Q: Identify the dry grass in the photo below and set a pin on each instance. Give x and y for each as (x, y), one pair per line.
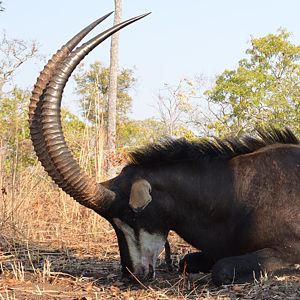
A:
(73, 271)
(52, 248)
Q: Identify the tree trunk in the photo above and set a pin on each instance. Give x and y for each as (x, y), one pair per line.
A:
(112, 93)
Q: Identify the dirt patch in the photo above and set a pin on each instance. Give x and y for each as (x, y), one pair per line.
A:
(38, 271)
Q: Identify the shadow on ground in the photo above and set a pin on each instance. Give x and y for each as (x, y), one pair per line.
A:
(35, 271)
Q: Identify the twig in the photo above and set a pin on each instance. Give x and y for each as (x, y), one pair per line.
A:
(144, 286)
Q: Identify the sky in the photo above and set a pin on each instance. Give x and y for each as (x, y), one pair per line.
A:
(180, 39)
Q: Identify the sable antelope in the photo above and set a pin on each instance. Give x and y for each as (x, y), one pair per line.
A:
(236, 200)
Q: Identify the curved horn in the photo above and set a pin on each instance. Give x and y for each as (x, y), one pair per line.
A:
(41, 83)
(76, 183)
(58, 57)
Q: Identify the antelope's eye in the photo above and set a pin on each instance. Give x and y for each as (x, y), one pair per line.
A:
(129, 217)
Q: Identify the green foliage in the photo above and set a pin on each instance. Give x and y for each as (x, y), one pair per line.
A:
(264, 89)
(92, 86)
(74, 130)
(14, 132)
(15, 144)
(133, 133)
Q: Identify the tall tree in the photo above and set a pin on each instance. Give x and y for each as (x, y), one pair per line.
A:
(92, 87)
(112, 89)
(264, 89)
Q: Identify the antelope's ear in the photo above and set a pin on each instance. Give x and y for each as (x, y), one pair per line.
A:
(140, 195)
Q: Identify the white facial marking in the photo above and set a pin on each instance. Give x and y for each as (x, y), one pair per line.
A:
(151, 245)
(131, 240)
(143, 249)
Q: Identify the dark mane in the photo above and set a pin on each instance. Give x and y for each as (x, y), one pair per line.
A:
(182, 149)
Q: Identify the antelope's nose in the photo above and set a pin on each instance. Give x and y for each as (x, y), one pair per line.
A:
(145, 273)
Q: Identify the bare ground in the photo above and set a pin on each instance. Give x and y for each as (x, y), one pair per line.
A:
(71, 268)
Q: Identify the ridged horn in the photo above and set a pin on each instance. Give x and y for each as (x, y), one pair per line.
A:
(76, 183)
(40, 86)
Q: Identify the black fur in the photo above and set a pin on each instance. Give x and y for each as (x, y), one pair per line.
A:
(171, 150)
(236, 200)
